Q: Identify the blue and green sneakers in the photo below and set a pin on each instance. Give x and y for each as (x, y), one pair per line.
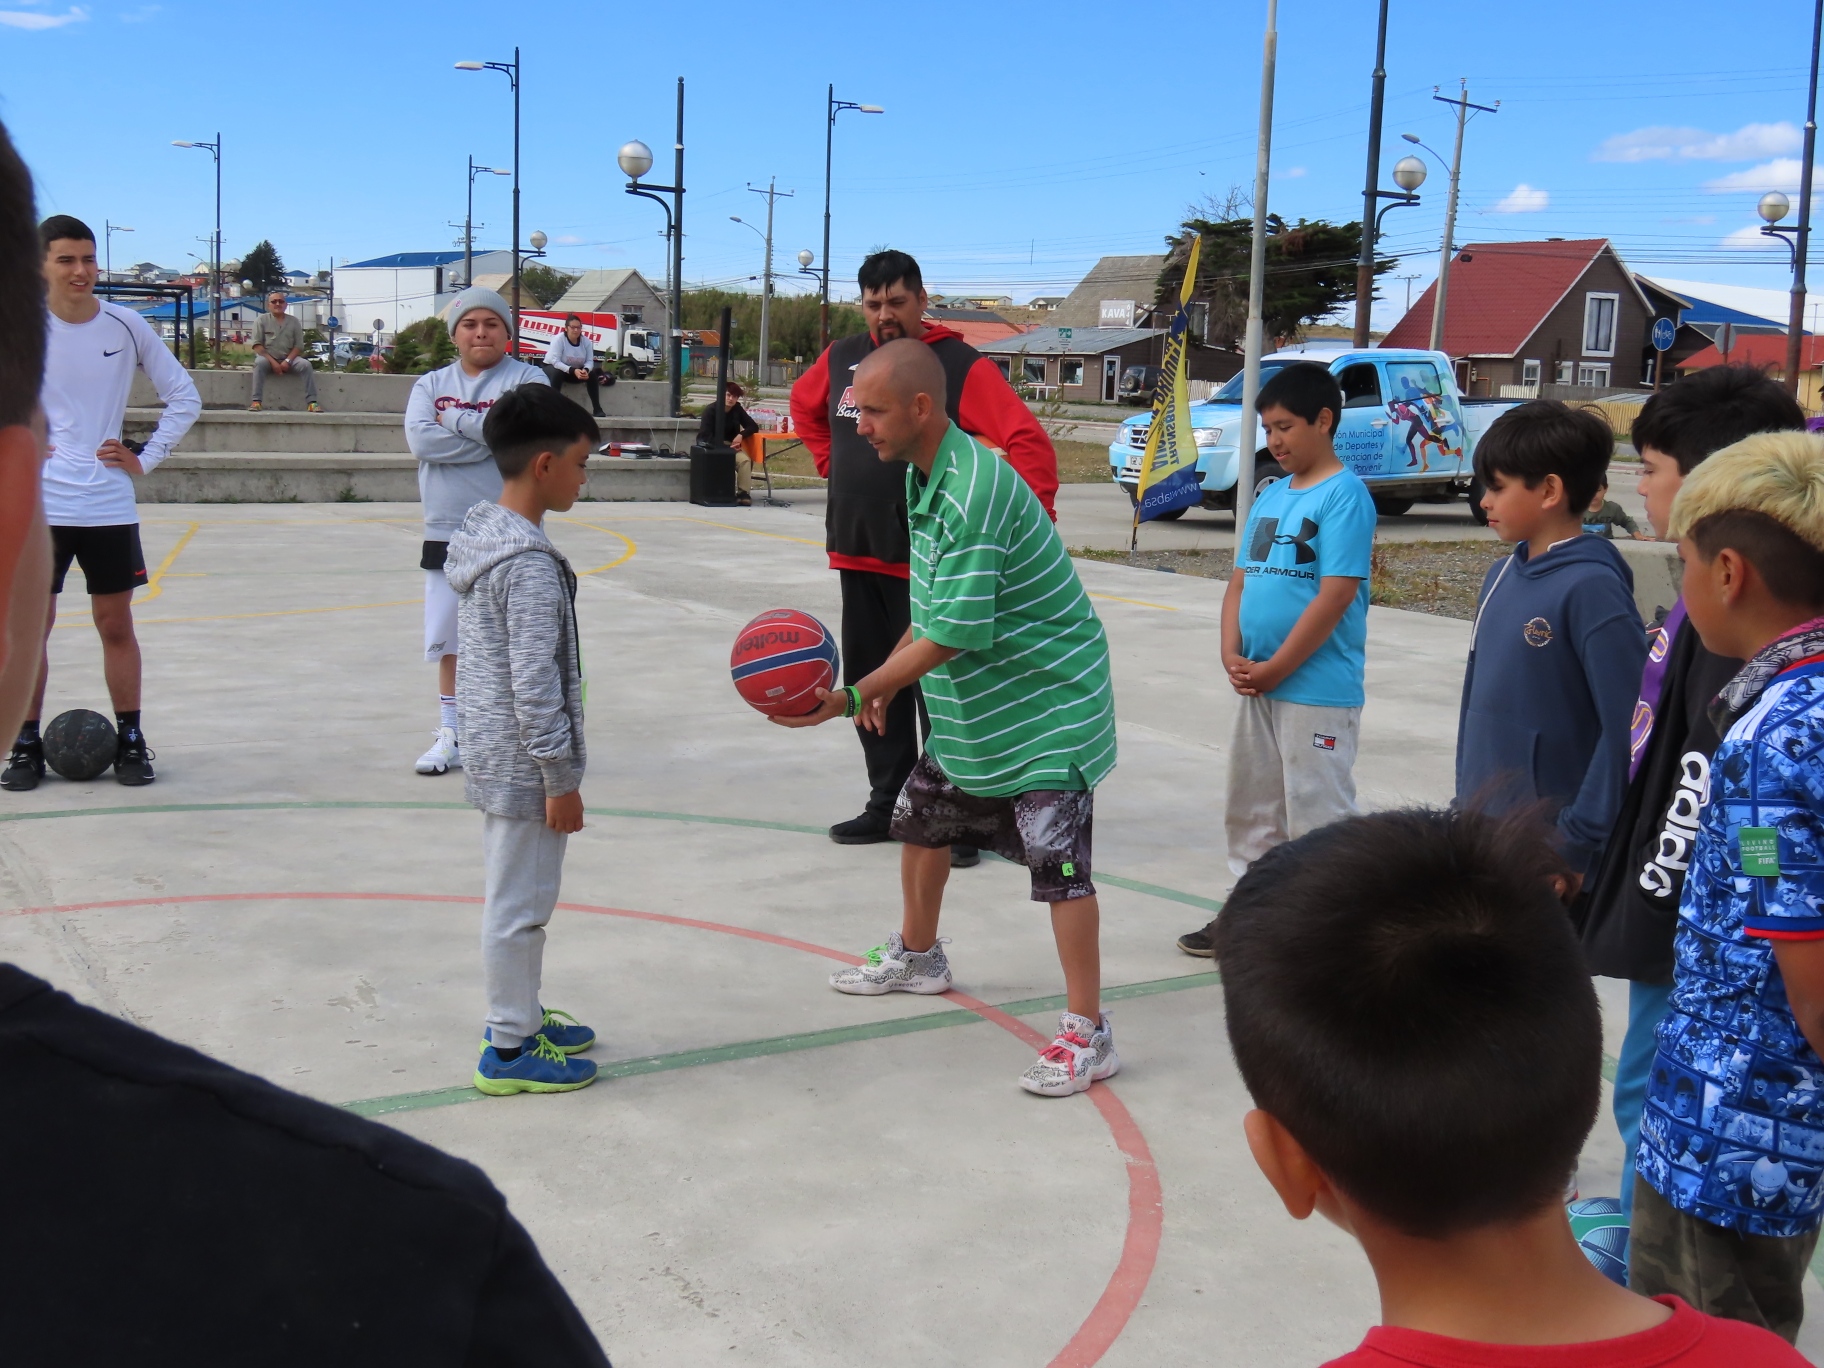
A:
(540, 1068)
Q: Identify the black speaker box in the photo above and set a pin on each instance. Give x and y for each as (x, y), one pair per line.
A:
(712, 475)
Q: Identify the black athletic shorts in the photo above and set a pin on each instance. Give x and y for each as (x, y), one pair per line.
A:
(1047, 830)
(110, 557)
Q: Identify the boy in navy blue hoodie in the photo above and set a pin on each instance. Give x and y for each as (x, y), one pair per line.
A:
(1557, 648)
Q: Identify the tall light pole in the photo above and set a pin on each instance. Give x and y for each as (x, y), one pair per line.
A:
(1364, 267)
(1440, 300)
(766, 279)
(836, 107)
(635, 158)
(215, 266)
(1257, 280)
(468, 220)
(110, 229)
(511, 71)
(1773, 207)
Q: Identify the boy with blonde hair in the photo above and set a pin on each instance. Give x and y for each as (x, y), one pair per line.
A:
(1727, 1195)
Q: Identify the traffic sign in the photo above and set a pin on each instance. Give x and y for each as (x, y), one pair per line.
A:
(1063, 334)
(1664, 330)
(333, 322)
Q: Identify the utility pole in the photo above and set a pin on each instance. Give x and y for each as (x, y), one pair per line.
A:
(1462, 105)
(677, 266)
(766, 280)
(1364, 268)
(1257, 282)
(1795, 324)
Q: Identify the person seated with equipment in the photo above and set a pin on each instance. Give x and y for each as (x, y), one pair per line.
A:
(737, 426)
(570, 360)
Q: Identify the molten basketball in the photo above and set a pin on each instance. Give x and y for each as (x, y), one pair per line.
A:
(79, 744)
(781, 659)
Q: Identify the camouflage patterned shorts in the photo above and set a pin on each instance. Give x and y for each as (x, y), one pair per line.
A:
(1047, 830)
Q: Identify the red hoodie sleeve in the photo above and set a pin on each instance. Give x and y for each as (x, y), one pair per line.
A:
(811, 412)
(991, 411)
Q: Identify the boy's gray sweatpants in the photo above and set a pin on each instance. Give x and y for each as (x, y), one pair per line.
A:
(525, 865)
(1291, 770)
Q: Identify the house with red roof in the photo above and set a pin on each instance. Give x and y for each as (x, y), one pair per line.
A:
(1766, 351)
(1519, 315)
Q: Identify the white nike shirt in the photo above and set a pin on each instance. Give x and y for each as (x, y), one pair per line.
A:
(88, 374)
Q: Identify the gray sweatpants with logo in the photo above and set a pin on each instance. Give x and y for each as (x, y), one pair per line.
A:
(525, 865)
(1291, 770)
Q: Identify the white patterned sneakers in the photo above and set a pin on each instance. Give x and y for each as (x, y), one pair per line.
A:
(1082, 1053)
(443, 756)
(891, 968)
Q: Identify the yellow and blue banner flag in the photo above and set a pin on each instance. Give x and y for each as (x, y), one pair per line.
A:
(1168, 471)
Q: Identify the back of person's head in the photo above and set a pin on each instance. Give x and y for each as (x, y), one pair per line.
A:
(21, 292)
(1764, 498)
(1405, 996)
(1305, 389)
(531, 419)
(1544, 437)
(1715, 408)
(58, 227)
(883, 270)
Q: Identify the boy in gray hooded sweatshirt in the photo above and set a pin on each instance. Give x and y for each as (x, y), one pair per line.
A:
(519, 692)
(443, 422)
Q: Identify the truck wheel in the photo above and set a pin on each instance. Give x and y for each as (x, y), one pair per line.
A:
(1476, 490)
(1388, 506)
(1266, 470)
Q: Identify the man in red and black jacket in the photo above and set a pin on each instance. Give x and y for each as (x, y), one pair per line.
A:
(865, 522)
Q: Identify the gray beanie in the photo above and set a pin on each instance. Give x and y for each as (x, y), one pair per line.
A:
(479, 297)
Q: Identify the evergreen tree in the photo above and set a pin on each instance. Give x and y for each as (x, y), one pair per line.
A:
(262, 266)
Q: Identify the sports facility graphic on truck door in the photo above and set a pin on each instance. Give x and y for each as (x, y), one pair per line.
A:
(1425, 412)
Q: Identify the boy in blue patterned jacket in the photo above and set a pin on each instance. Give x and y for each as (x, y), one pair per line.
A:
(1728, 1197)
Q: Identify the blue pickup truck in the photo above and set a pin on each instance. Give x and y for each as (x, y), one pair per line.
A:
(1404, 429)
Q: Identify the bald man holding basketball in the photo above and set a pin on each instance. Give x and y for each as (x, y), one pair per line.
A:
(1014, 666)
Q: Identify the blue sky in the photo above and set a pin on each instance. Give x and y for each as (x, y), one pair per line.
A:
(1020, 142)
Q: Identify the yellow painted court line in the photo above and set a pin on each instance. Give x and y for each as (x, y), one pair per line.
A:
(627, 555)
(1139, 603)
(280, 612)
(751, 531)
(155, 585)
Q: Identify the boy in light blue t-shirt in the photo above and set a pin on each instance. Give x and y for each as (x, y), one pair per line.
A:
(1295, 630)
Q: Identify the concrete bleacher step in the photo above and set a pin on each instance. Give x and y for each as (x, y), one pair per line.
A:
(368, 477)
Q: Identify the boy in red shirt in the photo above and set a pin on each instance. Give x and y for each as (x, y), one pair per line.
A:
(1410, 1012)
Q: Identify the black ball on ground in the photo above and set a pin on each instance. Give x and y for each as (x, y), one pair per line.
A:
(79, 744)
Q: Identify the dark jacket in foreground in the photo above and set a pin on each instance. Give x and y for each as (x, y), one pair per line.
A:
(1632, 909)
(519, 670)
(1554, 668)
(165, 1209)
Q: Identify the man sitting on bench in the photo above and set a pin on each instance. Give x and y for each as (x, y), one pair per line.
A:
(571, 359)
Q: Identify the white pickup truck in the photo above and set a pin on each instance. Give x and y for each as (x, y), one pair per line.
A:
(630, 352)
(1404, 429)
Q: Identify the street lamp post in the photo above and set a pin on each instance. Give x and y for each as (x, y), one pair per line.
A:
(635, 158)
(110, 229)
(836, 107)
(1462, 105)
(1364, 267)
(511, 71)
(468, 221)
(1774, 206)
(215, 265)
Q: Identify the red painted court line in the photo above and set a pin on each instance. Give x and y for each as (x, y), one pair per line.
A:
(1145, 1200)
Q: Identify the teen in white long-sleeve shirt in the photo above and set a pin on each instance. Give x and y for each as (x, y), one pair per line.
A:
(456, 471)
(93, 350)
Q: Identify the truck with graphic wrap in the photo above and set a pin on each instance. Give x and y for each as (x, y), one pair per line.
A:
(626, 350)
(1405, 429)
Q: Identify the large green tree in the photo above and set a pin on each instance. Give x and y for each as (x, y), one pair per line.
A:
(1310, 272)
(262, 266)
(546, 284)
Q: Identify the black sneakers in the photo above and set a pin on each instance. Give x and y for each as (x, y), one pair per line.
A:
(868, 829)
(1198, 943)
(24, 767)
(964, 857)
(133, 759)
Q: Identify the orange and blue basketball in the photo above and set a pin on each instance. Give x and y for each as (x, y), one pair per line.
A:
(781, 659)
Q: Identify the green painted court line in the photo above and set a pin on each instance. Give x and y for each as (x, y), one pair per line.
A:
(787, 1044)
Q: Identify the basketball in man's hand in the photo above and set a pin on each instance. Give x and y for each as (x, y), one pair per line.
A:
(781, 659)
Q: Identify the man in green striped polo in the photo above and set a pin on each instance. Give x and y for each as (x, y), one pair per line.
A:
(1014, 666)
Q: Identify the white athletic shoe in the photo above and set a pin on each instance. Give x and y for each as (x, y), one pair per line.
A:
(891, 968)
(1082, 1053)
(444, 754)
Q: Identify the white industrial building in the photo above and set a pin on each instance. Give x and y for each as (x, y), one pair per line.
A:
(393, 292)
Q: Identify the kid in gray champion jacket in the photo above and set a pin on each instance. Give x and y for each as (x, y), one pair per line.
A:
(519, 681)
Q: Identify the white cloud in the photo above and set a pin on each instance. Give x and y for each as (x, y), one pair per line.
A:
(24, 19)
(1522, 199)
(1696, 144)
(1748, 239)
(1782, 173)
(1292, 173)
(568, 240)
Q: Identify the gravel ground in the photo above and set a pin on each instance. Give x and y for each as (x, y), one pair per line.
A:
(1440, 577)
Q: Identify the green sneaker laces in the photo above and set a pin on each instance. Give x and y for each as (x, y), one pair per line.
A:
(874, 956)
(542, 1048)
(553, 1018)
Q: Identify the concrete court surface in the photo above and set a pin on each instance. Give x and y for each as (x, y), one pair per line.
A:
(769, 1172)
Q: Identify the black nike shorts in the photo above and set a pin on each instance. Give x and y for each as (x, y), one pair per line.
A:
(111, 559)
